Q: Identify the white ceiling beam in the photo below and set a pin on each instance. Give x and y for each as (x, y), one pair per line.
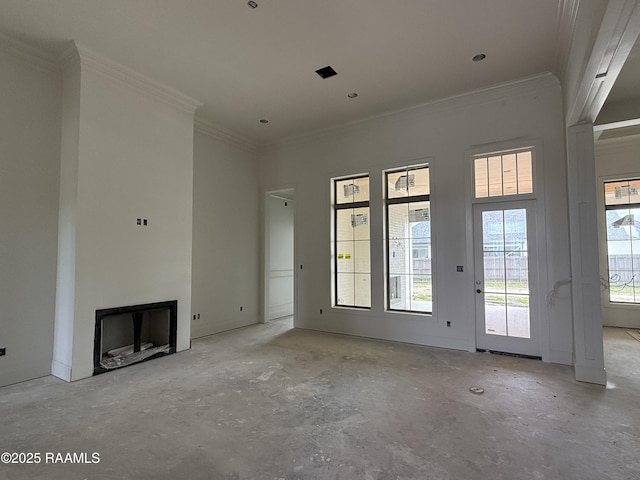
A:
(622, 124)
(617, 34)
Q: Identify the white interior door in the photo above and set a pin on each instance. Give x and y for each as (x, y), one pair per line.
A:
(507, 319)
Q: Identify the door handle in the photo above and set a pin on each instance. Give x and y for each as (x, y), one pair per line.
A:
(478, 291)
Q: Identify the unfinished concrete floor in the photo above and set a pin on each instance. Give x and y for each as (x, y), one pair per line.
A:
(267, 402)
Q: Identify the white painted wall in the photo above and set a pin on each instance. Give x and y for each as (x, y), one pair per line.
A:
(441, 133)
(29, 176)
(280, 218)
(226, 236)
(134, 159)
(615, 159)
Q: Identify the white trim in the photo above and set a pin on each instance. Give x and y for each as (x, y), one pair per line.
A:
(505, 147)
(68, 55)
(419, 162)
(206, 127)
(585, 278)
(61, 370)
(540, 210)
(585, 373)
(618, 32)
(533, 345)
(613, 125)
(101, 65)
(279, 311)
(281, 273)
(224, 327)
(39, 59)
(566, 23)
(434, 341)
(603, 253)
(266, 249)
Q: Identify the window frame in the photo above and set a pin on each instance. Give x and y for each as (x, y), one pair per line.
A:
(606, 208)
(392, 285)
(348, 206)
(509, 150)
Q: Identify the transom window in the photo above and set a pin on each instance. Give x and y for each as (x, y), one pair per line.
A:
(409, 278)
(352, 245)
(503, 174)
(622, 209)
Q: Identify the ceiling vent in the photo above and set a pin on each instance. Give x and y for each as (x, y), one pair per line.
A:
(326, 72)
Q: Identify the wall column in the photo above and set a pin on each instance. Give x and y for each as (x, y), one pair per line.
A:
(585, 273)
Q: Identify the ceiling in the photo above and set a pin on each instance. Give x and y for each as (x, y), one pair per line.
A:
(248, 64)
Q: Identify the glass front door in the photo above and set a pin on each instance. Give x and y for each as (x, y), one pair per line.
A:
(506, 317)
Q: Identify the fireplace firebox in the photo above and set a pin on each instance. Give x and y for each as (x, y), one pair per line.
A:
(128, 335)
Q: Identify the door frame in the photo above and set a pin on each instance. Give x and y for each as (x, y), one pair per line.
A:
(286, 194)
(543, 284)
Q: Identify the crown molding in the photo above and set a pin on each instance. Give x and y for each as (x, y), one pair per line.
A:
(39, 59)
(69, 56)
(565, 27)
(461, 101)
(101, 65)
(204, 126)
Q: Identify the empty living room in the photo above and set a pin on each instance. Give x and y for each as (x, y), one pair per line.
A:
(335, 240)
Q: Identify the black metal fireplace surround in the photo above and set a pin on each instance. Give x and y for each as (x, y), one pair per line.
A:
(140, 315)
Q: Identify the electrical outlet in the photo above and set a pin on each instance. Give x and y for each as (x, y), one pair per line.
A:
(3, 351)
(198, 316)
(448, 323)
(320, 311)
(240, 307)
(194, 316)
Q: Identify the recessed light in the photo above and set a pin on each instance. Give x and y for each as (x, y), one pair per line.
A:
(352, 95)
(264, 120)
(479, 57)
(252, 4)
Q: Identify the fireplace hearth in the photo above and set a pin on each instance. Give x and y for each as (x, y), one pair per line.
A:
(128, 335)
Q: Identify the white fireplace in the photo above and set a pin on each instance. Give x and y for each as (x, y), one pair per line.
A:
(127, 154)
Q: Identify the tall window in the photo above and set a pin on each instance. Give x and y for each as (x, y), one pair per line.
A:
(622, 205)
(352, 242)
(409, 279)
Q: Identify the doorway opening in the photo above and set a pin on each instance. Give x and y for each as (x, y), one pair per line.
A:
(279, 274)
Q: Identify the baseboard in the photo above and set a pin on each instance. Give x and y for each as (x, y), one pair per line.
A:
(220, 328)
(279, 311)
(559, 357)
(61, 370)
(590, 374)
